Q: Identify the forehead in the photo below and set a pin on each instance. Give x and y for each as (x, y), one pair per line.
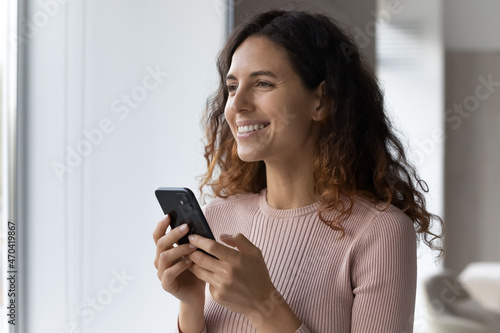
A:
(258, 53)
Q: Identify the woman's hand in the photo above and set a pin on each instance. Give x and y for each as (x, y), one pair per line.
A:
(240, 281)
(172, 265)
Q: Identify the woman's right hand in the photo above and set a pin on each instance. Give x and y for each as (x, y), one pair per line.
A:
(173, 266)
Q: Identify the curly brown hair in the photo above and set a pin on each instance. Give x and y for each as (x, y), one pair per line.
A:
(358, 153)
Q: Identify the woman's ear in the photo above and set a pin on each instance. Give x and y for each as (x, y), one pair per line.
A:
(321, 110)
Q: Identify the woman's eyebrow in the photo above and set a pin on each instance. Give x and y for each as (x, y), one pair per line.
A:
(253, 74)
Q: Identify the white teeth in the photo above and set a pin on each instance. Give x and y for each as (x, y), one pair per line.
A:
(250, 128)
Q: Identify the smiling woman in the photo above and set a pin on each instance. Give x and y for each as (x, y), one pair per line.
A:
(263, 87)
(317, 209)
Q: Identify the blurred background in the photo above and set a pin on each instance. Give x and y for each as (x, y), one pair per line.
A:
(101, 104)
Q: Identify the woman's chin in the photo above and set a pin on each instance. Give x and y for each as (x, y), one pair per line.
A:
(248, 159)
(247, 156)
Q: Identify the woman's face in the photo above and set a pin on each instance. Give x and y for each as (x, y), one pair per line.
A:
(270, 112)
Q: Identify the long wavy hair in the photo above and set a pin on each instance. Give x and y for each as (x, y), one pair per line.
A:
(358, 153)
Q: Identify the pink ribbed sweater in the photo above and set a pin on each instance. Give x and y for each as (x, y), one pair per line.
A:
(364, 282)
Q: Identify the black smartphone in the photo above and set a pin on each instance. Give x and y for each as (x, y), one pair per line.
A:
(182, 207)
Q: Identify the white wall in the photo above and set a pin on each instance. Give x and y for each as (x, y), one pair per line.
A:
(91, 224)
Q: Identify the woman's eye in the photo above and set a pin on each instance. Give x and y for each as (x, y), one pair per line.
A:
(231, 88)
(265, 84)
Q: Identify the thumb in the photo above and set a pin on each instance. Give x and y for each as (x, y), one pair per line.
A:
(238, 241)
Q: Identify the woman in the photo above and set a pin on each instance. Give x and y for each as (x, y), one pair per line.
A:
(317, 209)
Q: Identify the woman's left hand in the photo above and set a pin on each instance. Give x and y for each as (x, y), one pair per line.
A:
(239, 280)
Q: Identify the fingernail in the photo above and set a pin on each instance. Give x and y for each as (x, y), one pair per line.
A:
(191, 238)
(166, 216)
(187, 261)
(183, 227)
(225, 236)
(191, 246)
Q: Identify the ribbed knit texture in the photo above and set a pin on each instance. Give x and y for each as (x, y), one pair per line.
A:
(364, 282)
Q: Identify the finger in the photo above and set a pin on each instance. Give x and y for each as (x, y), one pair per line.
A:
(171, 237)
(167, 241)
(210, 246)
(161, 228)
(202, 273)
(168, 258)
(204, 261)
(169, 276)
(240, 242)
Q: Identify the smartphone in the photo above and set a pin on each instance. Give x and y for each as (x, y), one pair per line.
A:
(182, 207)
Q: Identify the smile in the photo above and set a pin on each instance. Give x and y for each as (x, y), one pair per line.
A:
(250, 128)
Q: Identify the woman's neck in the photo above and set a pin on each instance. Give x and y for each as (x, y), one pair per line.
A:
(290, 185)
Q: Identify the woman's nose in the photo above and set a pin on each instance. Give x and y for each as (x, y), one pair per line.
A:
(241, 100)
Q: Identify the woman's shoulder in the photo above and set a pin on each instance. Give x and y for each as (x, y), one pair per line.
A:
(380, 210)
(369, 219)
(383, 218)
(231, 214)
(240, 198)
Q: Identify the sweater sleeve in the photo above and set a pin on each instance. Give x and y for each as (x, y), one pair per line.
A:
(384, 276)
